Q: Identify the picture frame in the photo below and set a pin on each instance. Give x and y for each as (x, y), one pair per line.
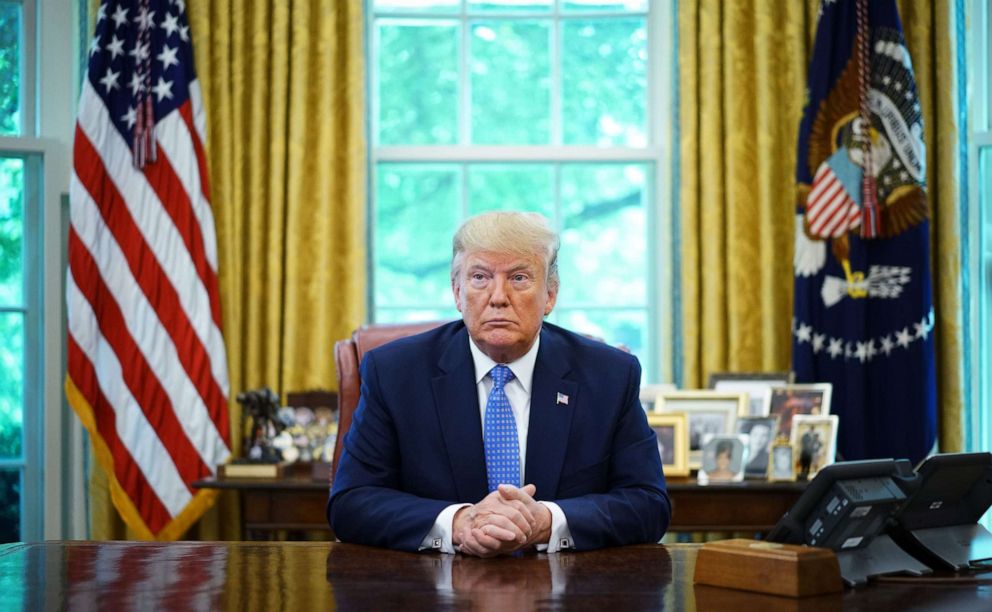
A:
(649, 394)
(814, 439)
(755, 384)
(707, 411)
(724, 458)
(673, 442)
(787, 401)
(761, 437)
(780, 467)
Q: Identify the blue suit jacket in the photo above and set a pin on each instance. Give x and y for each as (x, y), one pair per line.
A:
(415, 444)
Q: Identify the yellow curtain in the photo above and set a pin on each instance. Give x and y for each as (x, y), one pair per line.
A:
(283, 87)
(742, 70)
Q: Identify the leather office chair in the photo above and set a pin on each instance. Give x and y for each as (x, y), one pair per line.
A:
(347, 357)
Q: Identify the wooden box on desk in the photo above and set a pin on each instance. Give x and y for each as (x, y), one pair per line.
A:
(765, 567)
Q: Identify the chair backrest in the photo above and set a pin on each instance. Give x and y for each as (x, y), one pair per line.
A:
(347, 357)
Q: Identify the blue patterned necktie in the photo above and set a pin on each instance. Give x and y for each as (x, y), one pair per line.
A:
(500, 433)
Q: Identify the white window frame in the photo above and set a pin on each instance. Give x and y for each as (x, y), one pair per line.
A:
(977, 229)
(661, 107)
(53, 504)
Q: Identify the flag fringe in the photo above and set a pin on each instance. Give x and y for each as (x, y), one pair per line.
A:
(202, 501)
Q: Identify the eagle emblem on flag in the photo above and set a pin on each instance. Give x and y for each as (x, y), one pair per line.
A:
(883, 156)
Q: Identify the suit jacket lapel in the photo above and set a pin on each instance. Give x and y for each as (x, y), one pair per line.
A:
(550, 418)
(457, 403)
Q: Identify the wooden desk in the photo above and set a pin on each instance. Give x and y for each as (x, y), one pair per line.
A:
(753, 506)
(323, 575)
(297, 503)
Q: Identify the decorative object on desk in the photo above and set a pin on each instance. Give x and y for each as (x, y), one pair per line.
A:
(310, 434)
(765, 567)
(321, 432)
(261, 406)
(756, 384)
(706, 411)
(244, 468)
(814, 443)
(649, 394)
(673, 442)
(724, 458)
(761, 433)
(787, 401)
(781, 467)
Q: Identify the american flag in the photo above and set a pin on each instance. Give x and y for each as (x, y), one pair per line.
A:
(147, 369)
(832, 207)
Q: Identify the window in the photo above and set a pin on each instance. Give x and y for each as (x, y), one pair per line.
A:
(976, 228)
(553, 106)
(21, 197)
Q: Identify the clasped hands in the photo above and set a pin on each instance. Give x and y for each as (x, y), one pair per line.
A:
(506, 520)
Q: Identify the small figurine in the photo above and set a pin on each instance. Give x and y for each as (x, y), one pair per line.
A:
(262, 406)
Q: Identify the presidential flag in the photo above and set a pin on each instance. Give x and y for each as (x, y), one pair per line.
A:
(863, 317)
(147, 370)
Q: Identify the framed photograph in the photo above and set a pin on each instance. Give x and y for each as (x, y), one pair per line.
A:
(673, 442)
(789, 400)
(755, 384)
(761, 435)
(814, 443)
(724, 458)
(649, 394)
(707, 412)
(780, 467)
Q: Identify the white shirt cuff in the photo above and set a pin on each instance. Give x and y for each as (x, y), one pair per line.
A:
(439, 537)
(561, 537)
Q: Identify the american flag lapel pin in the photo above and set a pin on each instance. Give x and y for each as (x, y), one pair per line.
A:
(562, 400)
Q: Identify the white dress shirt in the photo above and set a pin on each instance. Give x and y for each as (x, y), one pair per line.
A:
(518, 392)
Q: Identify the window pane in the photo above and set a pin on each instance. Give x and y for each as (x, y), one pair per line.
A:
(526, 187)
(510, 6)
(10, 506)
(11, 383)
(604, 234)
(10, 68)
(417, 212)
(982, 440)
(416, 6)
(418, 82)
(11, 231)
(604, 82)
(605, 5)
(510, 82)
(615, 327)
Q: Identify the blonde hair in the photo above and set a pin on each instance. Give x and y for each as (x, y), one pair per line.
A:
(512, 233)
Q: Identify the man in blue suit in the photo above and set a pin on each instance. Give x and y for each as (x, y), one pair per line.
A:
(451, 422)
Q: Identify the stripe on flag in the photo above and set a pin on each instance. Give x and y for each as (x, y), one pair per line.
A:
(832, 207)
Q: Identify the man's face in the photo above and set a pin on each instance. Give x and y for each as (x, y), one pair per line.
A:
(503, 299)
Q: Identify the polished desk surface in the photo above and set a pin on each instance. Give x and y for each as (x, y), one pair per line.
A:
(322, 575)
